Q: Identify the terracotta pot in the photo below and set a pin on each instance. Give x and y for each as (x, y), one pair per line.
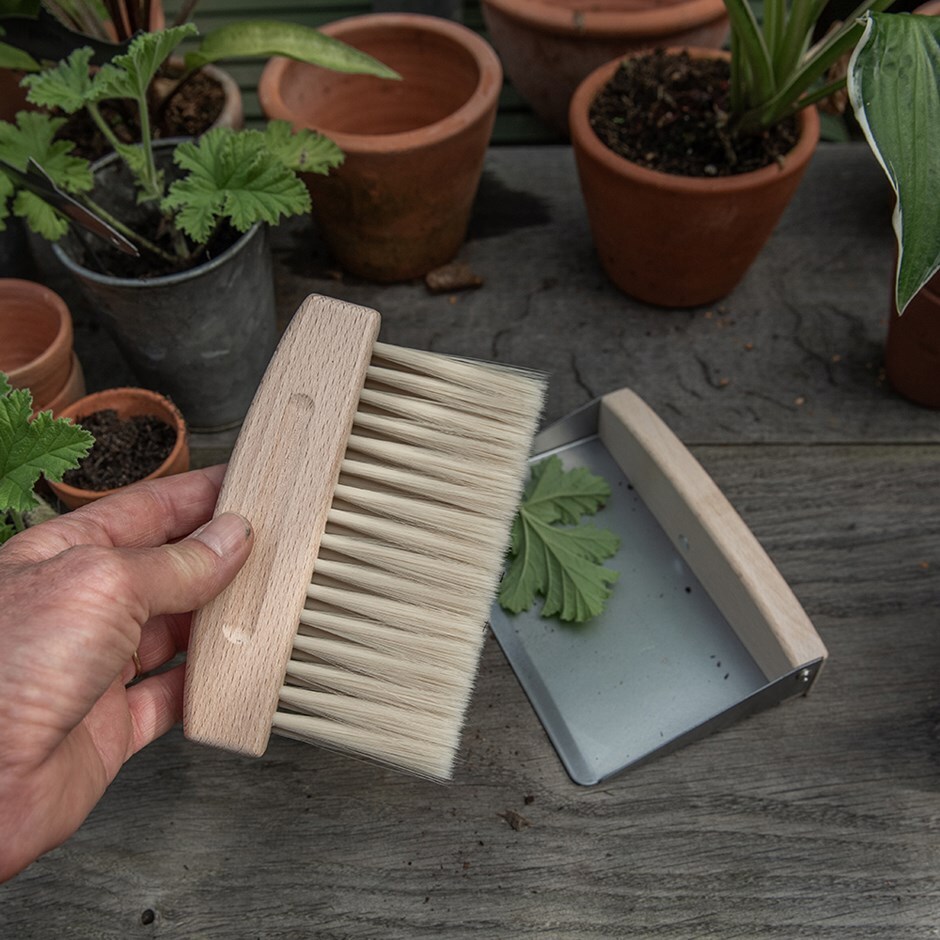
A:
(36, 344)
(233, 109)
(548, 46)
(678, 241)
(912, 352)
(128, 403)
(12, 97)
(400, 203)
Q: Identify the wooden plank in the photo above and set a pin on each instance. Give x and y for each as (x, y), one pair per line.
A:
(818, 817)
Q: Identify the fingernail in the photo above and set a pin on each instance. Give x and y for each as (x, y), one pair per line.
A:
(224, 534)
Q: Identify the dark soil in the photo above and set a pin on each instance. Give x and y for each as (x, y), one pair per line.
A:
(124, 451)
(190, 110)
(114, 190)
(669, 112)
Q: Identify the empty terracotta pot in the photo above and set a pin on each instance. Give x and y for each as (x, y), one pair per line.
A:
(548, 46)
(128, 403)
(912, 352)
(678, 241)
(400, 203)
(36, 344)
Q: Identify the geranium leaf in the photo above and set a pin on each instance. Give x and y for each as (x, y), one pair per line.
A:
(129, 75)
(44, 446)
(232, 176)
(303, 150)
(561, 563)
(67, 85)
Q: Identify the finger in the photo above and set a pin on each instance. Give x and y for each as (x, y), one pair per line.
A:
(182, 576)
(156, 705)
(145, 514)
(160, 640)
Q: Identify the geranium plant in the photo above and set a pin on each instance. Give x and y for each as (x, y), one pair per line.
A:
(229, 177)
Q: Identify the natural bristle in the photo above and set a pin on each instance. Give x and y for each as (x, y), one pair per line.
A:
(387, 650)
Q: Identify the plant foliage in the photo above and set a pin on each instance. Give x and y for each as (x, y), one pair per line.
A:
(897, 62)
(236, 177)
(43, 446)
(552, 553)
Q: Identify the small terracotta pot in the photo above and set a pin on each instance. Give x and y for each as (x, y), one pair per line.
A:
(400, 203)
(912, 352)
(12, 97)
(36, 344)
(128, 403)
(548, 46)
(233, 108)
(678, 241)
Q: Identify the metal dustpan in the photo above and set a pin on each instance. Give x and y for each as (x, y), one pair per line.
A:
(701, 628)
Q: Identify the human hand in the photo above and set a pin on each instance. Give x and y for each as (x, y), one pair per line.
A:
(80, 597)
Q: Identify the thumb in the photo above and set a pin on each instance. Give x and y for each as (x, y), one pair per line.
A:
(196, 569)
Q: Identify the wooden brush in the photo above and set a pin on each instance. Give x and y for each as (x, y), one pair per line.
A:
(381, 484)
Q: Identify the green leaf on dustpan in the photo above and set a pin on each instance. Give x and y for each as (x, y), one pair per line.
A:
(551, 555)
(894, 87)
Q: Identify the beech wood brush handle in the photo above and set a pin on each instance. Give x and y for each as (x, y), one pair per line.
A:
(281, 477)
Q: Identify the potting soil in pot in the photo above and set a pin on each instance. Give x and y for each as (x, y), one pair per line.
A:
(191, 110)
(668, 112)
(124, 450)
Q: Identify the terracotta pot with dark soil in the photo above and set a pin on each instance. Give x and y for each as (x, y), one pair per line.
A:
(683, 235)
(548, 46)
(36, 344)
(400, 203)
(139, 435)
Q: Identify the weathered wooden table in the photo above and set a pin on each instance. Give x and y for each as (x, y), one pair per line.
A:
(819, 818)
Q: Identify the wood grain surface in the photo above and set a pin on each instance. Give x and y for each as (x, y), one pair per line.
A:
(819, 818)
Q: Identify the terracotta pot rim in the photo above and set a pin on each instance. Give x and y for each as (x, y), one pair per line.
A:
(475, 109)
(46, 297)
(163, 408)
(581, 130)
(73, 388)
(581, 18)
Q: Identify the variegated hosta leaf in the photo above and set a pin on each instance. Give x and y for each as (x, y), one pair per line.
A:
(894, 86)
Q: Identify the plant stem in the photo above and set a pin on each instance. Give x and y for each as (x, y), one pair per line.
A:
(128, 232)
(19, 523)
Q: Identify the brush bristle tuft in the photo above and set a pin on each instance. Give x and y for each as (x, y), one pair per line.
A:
(386, 654)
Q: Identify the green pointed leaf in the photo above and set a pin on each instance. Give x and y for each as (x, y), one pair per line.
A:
(6, 531)
(232, 176)
(13, 58)
(5, 387)
(304, 151)
(44, 446)
(66, 85)
(129, 75)
(266, 38)
(894, 86)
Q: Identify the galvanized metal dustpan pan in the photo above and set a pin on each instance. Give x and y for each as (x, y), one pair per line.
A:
(701, 629)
